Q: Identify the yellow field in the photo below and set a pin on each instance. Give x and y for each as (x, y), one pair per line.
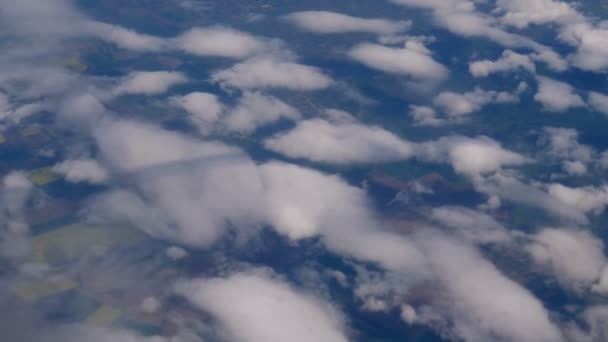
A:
(72, 241)
(104, 315)
(40, 289)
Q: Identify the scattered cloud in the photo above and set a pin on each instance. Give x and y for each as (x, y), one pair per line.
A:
(82, 170)
(508, 61)
(259, 308)
(413, 60)
(324, 22)
(149, 82)
(268, 73)
(339, 143)
(556, 96)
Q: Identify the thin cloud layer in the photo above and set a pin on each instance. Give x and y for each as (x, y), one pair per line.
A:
(325, 22)
(413, 60)
(258, 308)
(269, 73)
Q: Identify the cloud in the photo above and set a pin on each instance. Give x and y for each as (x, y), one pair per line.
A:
(574, 257)
(126, 38)
(469, 156)
(512, 189)
(15, 191)
(339, 143)
(219, 42)
(82, 170)
(475, 310)
(474, 226)
(522, 13)
(556, 96)
(255, 110)
(204, 107)
(181, 190)
(563, 143)
(454, 104)
(149, 82)
(259, 308)
(599, 101)
(90, 333)
(252, 111)
(591, 43)
(267, 72)
(508, 61)
(425, 116)
(413, 60)
(324, 22)
(587, 199)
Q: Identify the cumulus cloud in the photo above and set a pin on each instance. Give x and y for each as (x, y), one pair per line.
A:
(203, 107)
(472, 225)
(219, 42)
(508, 61)
(563, 144)
(413, 60)
(268, 72)
(259, 308)
(587, 199)
(325, 22)
(521, 13)
(599, 101)
(513, 189)
(15, 191)
(574, 257)
(253, 110)
(556, 96)
(591, 43)
(149, 82)
(425, 116)
(470, 156)
(339, 143)
(256, 110)
(476, 311)
(82, 170)
(454, 104)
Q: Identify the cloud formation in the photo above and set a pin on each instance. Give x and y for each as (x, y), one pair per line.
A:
(325, 22)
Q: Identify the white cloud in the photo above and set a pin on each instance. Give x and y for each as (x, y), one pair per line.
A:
(574, 257)
(182, 190)
(126, 38)
(149, 82)
(259, 308)
(324, 22)
(203, 106)
(563, 143)
(255, 110)
(339, 143)
(556, 96)
(521, 13)
(82, 170)
(470, 156)
(412, 60)
(474, 226)
(271, 73)
(574, 168)
(425, 116)
(591, 43)
(599, 101)
(454, 104)
(587, 199)
(512, 189)
(483, 304)
(219, 42)
(508, 61)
